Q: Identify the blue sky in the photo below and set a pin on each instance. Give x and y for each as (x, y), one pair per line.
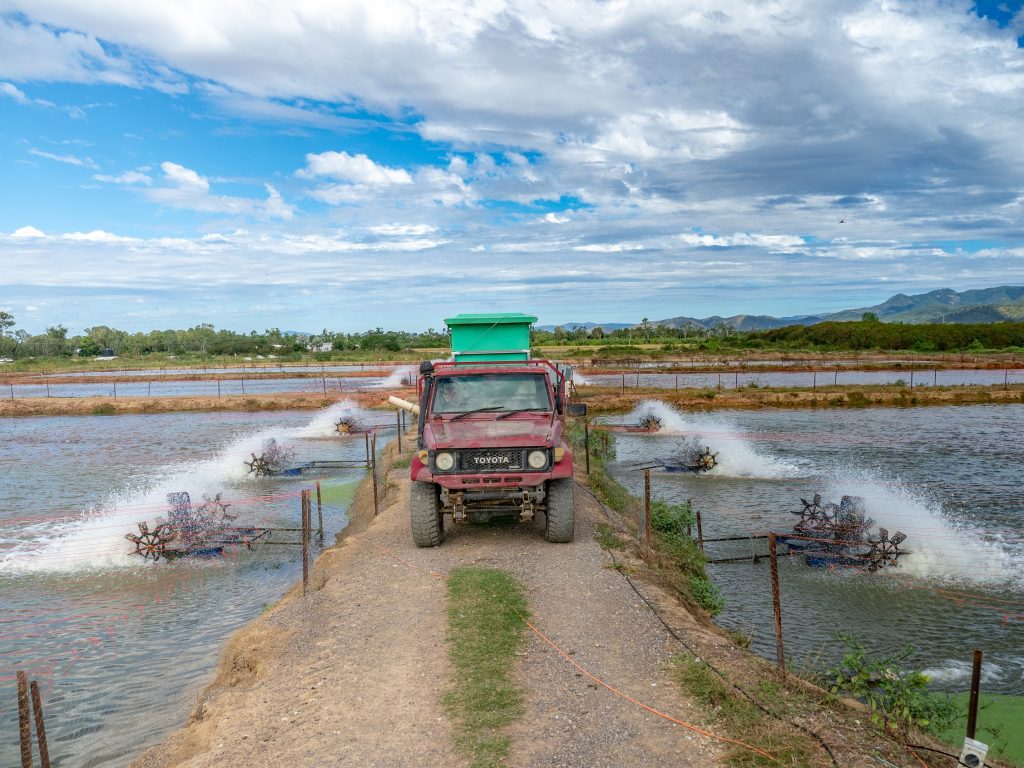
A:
(351, 165)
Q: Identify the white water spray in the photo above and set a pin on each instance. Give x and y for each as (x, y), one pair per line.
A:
(737, 456)
(96, 538)
(403, 376)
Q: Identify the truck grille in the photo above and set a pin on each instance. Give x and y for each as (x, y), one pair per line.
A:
(491, 460)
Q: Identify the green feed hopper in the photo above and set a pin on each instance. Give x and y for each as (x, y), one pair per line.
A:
(482, 338)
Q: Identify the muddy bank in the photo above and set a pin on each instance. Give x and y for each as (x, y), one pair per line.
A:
(600, 399)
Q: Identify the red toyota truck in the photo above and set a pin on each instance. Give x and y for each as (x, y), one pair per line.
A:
(491, 438)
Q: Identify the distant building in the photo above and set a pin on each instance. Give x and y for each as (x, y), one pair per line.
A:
(324, 347)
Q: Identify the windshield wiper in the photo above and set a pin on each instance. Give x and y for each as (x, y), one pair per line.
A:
(519, 410)
(476, 410)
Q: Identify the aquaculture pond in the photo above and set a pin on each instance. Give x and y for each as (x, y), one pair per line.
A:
(121, 645)
(947, 477)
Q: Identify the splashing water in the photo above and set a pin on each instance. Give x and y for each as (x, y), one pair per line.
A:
(737, 457)
(95, 539)
(398, 378)
(938, 548)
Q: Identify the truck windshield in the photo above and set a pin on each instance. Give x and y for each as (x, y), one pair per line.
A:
(491, 392)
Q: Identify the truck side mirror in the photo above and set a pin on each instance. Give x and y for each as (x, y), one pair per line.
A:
(576, 409)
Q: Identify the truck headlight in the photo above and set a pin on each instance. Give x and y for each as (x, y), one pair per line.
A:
(537, 459)
(444, 461)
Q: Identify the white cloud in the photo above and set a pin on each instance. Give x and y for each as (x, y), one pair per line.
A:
(85, 162)
(357, 169)
(554, 218)
(403, 230)
(128, 177)
(28, 231)
(186, 188)
(9, 89)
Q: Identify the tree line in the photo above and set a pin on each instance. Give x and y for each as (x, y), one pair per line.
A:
(202, 339)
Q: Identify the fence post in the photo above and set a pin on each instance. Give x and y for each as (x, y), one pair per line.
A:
(835, 381)
(1006, 380)
(319, 513)
(935, 377)
(373, 470)
(398, 428)
(24, 721)
(37, 709)
(366, 438)
(149, 388)
(11, 385)
(218, 387)
(814, 382)
(677, 382)
(115, 390)
(780, 653)
(736, 382)
(305, 541)
(586, 442)
(911, 379)
(647, 510)
(323, 380)
(972, 705)
(48, 387)
(700, 532)
(623, 383)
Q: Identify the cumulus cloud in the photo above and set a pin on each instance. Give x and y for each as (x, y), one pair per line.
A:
(28, 231)
(12, 91)
(358, 169)
(186, 188)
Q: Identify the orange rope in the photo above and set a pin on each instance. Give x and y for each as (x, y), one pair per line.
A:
(917, 756)
(640, 704)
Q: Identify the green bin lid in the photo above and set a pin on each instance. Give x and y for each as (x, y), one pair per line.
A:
(491, 319)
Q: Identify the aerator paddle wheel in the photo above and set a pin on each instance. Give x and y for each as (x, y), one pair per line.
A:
(271, 461)
(706, 461)
(884, 549)
(831, 534)
(152, 544)
(649, 423)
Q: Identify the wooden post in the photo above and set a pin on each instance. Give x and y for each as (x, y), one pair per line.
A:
(700, 532)
(218, 387)
(972, 704)
(305, 541)
(814, 382)
(319, 513)
(323, 380)
(935, 377)
(736, 382)
(398, 428)
(373, 471)
(719, 382)
(586, 442)
(780, 653)
(647, 510)
(835, 381)
(37, 709)
(623, 383)
(911, 379)
(115, 390)
(677, 382)
(12, 389)
(1006, 380)
(366, 437)
(638, 379)
(243, 384)
(24, 721)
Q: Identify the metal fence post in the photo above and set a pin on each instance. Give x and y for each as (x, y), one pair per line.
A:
(305, 541)
(398, 429)
(373, 471)
(700, 532)
(24, 721)
(319, 513)
(972, 705)
(647, 510)
(780, 653)
(37, 709)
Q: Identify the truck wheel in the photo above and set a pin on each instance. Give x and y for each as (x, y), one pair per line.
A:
(559, 524)
(427, 518)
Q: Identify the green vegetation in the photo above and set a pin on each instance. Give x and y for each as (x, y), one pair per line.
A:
(606, 538)
(999, 725)
(486, 608)
(741, 720)
(898, 697)
(670, 524)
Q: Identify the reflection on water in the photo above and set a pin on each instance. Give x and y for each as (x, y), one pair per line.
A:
(948, 477)
(120, 645)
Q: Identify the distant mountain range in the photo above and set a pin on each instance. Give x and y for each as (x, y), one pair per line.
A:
(986, 305)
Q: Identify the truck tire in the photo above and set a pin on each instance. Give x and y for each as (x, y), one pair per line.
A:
(427, 518)
(558, 526)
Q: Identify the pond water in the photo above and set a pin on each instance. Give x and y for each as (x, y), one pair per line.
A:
(121, 645)
(330, 384)
(948, 477)
(733, 380)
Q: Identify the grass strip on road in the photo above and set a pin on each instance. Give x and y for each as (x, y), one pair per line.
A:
(485, 630)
